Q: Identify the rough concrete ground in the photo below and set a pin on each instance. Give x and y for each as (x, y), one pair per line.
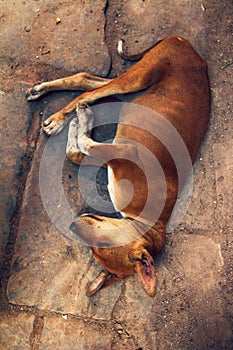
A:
(44, 274)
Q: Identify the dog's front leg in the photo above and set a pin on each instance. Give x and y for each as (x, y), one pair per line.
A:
(81, 81)
(77, 129)
(72, 150)
(56, 122)
(85, 118)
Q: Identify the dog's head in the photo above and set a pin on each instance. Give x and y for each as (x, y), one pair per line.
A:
(119, 246)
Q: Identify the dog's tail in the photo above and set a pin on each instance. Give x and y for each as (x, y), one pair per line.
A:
(135, 57)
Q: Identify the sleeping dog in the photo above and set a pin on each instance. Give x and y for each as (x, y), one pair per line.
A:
(171, 81)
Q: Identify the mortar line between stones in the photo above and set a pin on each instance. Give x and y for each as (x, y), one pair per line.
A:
(105, 35)
(36, 335)
(123, 288)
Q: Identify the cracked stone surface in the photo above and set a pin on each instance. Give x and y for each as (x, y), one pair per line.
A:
(13, 144)
(63, 333)
(38, 30)
(224, 175)
(43, 299)
(15, 331)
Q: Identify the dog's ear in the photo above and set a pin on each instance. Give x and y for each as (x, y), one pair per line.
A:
(144, 266)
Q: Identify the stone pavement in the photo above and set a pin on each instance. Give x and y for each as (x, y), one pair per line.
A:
(44, 274)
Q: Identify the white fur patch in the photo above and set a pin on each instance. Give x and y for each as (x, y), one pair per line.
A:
(112, 190)
(72, 136)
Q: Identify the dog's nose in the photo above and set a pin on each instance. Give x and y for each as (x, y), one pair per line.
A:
(73, 227)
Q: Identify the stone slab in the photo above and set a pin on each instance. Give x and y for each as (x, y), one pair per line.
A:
(223, 155)
(14, 119)
(49, 270)
(158, 20)
(61, 45)
(15, 331)
(64, 334)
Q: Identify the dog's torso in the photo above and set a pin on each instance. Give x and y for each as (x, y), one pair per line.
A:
(181, 96)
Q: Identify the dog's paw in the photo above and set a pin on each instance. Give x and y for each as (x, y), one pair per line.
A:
(82, 105)
(35, 92)
(54, 124)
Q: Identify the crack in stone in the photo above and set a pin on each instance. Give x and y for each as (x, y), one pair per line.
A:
(35, 337)
(122, 294)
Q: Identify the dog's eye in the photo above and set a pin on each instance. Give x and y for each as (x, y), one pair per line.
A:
(133, 260)
(103, 245)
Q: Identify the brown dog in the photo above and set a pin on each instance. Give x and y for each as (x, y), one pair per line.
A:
(170, 84)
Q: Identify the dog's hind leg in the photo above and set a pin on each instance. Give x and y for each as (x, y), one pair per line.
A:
(81, 81)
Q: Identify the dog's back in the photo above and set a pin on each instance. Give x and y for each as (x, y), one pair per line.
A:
(180, 94)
